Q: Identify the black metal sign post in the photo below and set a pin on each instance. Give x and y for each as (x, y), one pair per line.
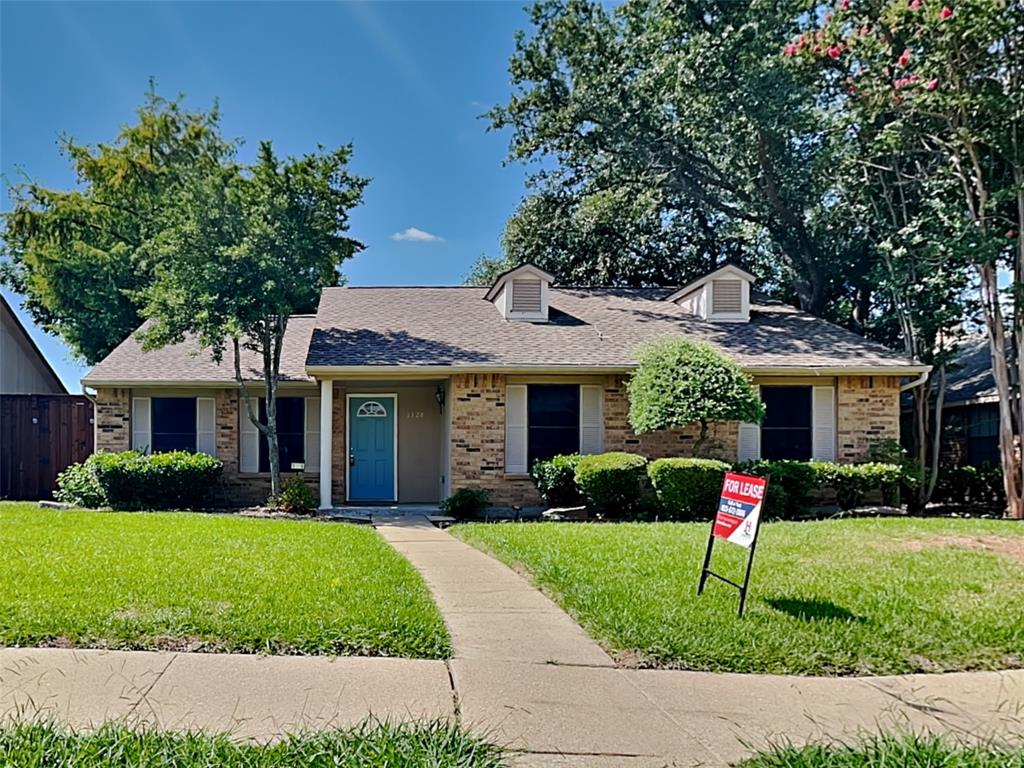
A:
(706, 571)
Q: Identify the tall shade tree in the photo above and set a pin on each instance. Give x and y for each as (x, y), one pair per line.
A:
(244, 248)
(679, 382)
(952, 74)
(685, 111)
(78, 255)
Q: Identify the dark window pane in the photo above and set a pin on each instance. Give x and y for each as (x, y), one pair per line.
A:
(553, 420)
(291, 433)
(173, 424)
(786, 429)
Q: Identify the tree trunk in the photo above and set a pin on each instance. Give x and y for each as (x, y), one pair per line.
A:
(1010, 460)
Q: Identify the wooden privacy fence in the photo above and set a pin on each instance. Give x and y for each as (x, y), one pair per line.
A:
(40, 435)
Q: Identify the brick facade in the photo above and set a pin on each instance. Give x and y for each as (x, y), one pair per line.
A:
(478, 440)
(723, 437)
(868, 409)
(113, 433)
(113, 420)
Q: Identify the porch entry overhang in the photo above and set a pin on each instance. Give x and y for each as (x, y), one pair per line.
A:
(383, 441)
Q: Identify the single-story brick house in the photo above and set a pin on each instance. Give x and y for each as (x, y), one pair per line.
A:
(406, 394)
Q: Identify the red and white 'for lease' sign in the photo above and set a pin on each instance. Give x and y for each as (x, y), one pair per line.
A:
(739, 509)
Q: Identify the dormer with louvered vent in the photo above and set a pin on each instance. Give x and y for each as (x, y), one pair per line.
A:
(522, 294)
(722, 296)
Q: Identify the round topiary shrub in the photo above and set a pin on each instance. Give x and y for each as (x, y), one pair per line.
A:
(612, 482)
(687, 489)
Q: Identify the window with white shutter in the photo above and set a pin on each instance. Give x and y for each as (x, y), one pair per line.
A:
(312, 434)
(206, 425)
(824, 421)
(591, 418)
(515, 429)
(141, 424)
(248, 440)
(749, 448)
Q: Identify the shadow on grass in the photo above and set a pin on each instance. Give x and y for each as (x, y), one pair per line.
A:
(813, 610)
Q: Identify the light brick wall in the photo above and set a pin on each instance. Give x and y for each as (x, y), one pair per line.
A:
(113, 432)
(619, 435)
(113, 420)
(868, 409)
(478, 440)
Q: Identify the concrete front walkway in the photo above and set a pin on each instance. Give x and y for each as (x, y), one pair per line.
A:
(526, 674)
(523, 674)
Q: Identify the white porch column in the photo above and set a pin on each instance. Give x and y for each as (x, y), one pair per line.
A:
(326, 439)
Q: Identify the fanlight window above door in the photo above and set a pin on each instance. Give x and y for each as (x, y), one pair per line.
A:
(372, 409)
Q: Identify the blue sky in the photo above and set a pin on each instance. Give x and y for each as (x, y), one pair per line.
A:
(404, 82)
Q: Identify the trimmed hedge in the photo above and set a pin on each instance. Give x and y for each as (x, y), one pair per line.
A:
(612, 482)
(687, 489)
(466, 503)
(555, 479)
(789, 487)
(977, 485)
(133, 480)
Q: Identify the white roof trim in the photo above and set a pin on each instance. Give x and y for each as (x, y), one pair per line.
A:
(728, 269)
(522, 269)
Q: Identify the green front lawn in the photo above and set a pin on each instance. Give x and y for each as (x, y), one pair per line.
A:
(436, 745)
(180, 580)
(894, 751)
(866, 596)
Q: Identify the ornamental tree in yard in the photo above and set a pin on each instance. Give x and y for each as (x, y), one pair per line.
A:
(950, 76)
(678, 383)
(79, 254)
(244, 248)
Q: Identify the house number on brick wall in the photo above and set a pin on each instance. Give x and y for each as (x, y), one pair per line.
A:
(414, 414)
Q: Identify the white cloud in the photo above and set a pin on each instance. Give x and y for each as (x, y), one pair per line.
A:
(417, 236)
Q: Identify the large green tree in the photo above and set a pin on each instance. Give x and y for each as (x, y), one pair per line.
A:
(242, 249)
(950, 78)
(677, 122)
(79, 255)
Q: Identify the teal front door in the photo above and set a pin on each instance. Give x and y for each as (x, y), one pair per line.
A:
(371, 454)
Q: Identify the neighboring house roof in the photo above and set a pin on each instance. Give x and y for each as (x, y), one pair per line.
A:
(969, 375)
(25, 370)
(596, 329)
(186, 363)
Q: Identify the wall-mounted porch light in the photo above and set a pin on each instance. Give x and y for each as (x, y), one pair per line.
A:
(439, 396)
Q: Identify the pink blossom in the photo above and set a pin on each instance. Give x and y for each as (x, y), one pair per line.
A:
(904, 58)
(789, 50)
(946, 12)
(1011, 233)
(915, 4)
(844, 5)
(834, 52)
(932, 84)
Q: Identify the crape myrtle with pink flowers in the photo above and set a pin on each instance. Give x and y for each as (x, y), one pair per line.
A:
(934, 92)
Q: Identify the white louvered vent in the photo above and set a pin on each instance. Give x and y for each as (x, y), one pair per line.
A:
(526, 296)
(726, 297)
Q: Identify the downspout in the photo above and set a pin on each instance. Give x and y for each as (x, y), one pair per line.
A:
(916, 382)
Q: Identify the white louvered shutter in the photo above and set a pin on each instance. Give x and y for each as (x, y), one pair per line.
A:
(312, 457)
(591, 419)
(248, 438)
(206, 425)
(515, 429)
(142, 434)
(823, 424)
(749, 448)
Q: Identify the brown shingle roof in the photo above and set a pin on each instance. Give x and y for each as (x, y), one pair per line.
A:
(599, 328)
(185, 362)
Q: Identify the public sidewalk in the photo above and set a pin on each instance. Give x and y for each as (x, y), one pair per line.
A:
(523, 674)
